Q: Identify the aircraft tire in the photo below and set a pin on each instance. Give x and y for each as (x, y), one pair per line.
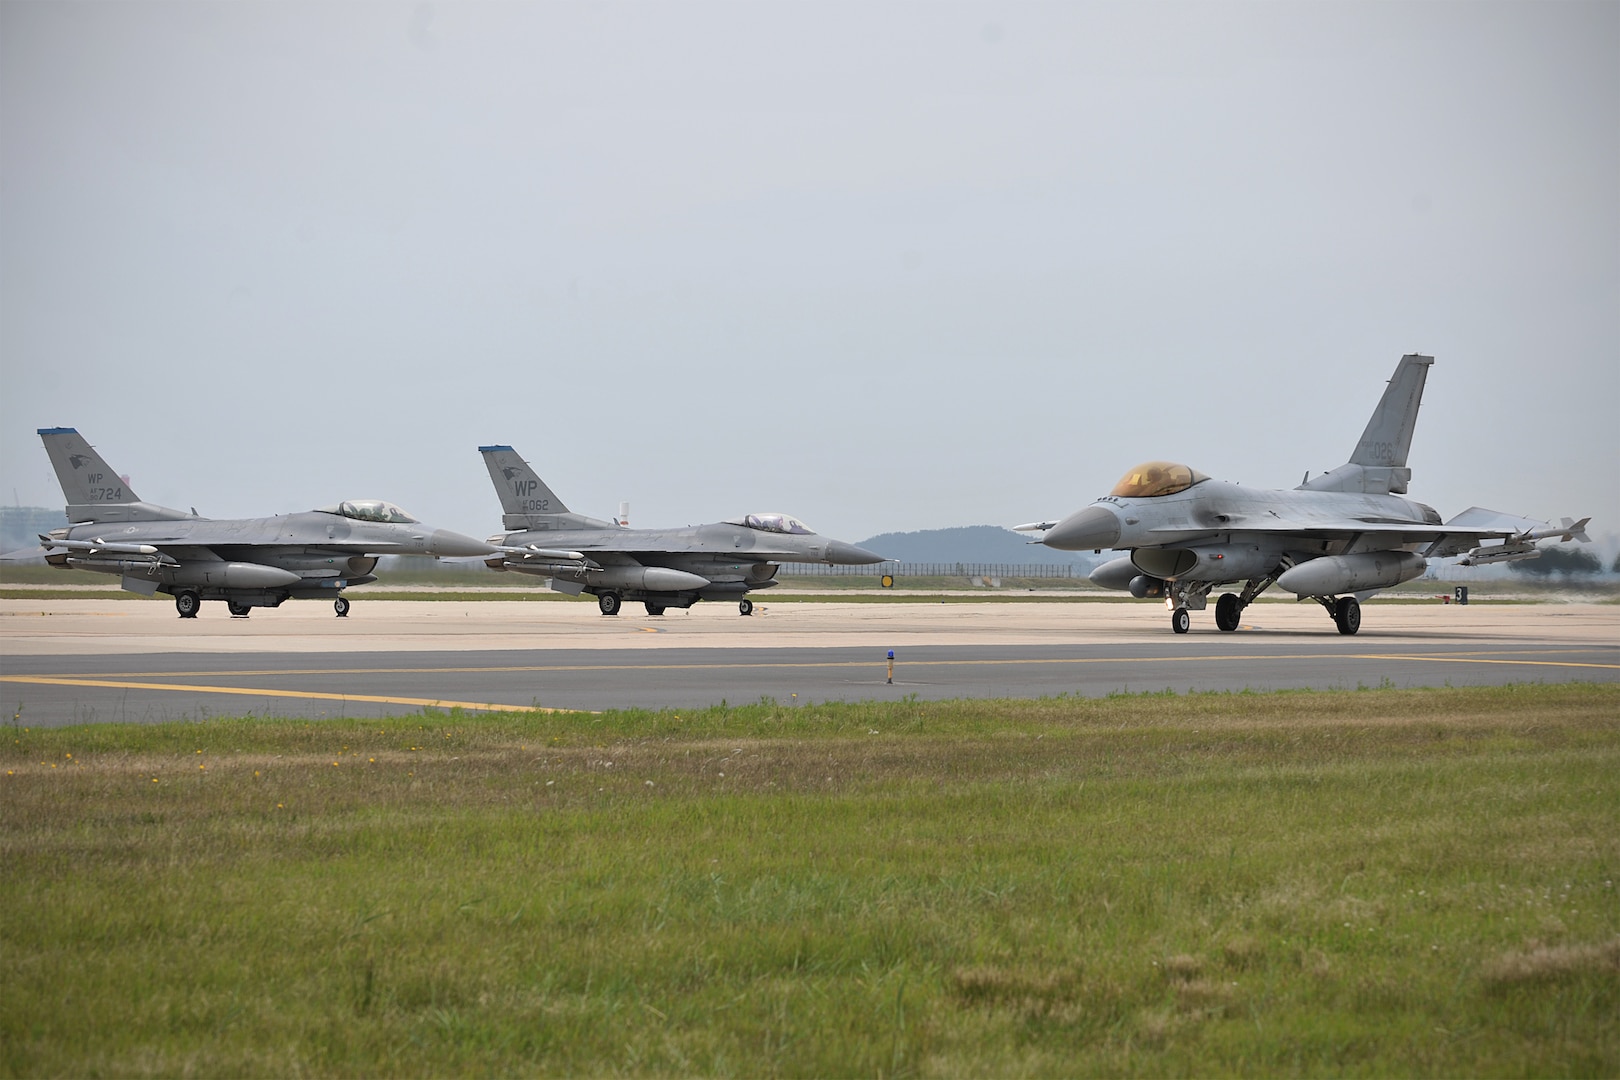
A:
(187, 603)
(654, 609)
(237, 609)
(1180, 620)
(1227, 612)
(609, 602)
(1347, 615)
(341, 606)
(745, 606)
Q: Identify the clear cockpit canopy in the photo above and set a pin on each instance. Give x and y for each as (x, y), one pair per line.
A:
(1156, 478)
(774, 523)
(370, 510)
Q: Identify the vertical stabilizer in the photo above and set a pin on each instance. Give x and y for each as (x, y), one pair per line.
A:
(1378, 464)
(86, 479)
(94, 492)
(1388, 438)
(526, 502)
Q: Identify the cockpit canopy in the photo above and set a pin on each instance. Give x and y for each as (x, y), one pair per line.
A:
(773, 523)
(370, 510)
(1156, 478)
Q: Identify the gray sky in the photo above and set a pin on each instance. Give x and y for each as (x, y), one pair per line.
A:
(884, 266)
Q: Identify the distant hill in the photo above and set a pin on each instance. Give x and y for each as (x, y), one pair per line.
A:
(970, 544)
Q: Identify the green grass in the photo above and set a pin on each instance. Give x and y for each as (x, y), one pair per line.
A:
(1383, 882)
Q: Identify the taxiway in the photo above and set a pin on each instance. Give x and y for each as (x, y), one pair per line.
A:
(92, 661)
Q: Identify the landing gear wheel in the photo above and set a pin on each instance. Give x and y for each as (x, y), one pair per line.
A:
(655, 609)
(1180, 621)
(745, 606)
(1347, 614)
(1227, 612)
(608, 602)
(187, 604)
(341, 606)
(236, 609)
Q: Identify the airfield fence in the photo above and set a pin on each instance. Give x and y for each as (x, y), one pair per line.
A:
(917, 570)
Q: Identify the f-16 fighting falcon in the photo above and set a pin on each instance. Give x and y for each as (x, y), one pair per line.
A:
(662, 568)
(246, 562)
(1336, 539)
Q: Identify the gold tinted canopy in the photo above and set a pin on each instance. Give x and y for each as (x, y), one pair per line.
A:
(1156, 478)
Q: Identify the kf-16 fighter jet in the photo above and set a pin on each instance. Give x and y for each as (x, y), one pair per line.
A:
(1336, 539)
(246, 562)
(662, 568)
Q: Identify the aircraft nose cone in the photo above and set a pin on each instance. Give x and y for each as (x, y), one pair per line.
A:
(1093, 527)
(842, 554)
(452, 545)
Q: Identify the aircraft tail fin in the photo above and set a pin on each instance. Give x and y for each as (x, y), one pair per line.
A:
(94, 492)
(1378, 464)
(526, 501)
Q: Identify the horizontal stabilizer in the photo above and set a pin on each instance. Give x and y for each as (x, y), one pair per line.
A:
(1518, 534)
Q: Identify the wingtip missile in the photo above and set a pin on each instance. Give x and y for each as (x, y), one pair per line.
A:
(1568, 530)
(1034, 526)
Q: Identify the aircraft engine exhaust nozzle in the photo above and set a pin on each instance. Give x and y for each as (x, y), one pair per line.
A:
(1084, 530)
(1115, 574)
(1336, 574)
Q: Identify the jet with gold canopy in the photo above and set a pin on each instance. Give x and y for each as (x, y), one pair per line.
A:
(1335, 539)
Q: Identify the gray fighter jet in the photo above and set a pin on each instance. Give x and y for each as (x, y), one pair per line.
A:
(246, 562)
(662, 568)
(1336, 539)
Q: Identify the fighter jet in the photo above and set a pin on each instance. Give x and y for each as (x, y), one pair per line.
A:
(1335, 539)
(662, 568)
(246, 562)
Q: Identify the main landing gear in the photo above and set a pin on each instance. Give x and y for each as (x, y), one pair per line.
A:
(238, 610)
(1347, 615)
(187, 603)
(745, 606)
(341, 606)
(609, 602)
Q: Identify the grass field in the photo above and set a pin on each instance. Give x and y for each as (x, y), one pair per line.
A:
(1378, 882)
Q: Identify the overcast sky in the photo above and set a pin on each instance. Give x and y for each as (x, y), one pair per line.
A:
(884, 266)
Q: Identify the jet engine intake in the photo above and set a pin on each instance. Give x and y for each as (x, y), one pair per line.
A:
(1332, 575)
(1216, 562)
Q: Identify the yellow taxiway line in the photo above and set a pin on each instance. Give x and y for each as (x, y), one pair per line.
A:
(423, 703)
(501, 669)
(132, 681)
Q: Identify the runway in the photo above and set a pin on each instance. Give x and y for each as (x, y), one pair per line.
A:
(83, 661)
